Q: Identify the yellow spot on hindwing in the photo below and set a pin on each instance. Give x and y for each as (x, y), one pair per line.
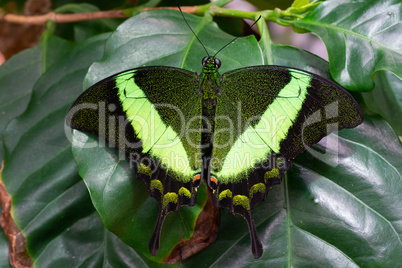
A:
(274, 173)
(259, 187)
(156, 184)
(169, 198)
(143, 169)
(279, 162)
(242, 200)
(225, 194)
(184, 192)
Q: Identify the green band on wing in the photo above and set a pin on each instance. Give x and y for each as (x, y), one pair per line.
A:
(241, 200)
(158, 140)
(256, 143)
(259, 187)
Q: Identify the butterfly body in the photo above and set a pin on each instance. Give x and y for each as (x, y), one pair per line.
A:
(238, 131)
(209, 89)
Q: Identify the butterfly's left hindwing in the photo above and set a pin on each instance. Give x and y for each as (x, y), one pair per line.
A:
(147, 113)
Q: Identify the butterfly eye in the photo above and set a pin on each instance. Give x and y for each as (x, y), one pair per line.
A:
(217, 63)
(204, 61)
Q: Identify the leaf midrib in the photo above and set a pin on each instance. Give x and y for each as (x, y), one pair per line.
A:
(344, 30)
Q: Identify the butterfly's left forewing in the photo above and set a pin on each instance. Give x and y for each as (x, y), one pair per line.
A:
(152, 115)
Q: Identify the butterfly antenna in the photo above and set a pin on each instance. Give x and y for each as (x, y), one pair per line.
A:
(192, 30)
(235, 38)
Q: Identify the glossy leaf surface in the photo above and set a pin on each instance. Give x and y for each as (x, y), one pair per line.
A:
(15, 91)
(49, 198)
(386, 99)
(361, 37)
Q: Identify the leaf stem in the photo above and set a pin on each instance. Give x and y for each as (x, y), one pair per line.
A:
(283, 17)
(265, 42)
(50, 27)
(224, 12)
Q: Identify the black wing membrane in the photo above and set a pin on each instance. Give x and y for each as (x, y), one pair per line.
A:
(254, 94)
(173, 94)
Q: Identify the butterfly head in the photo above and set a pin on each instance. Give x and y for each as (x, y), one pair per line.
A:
(210, 64)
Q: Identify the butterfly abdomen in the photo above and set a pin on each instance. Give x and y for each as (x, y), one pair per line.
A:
(208, 88)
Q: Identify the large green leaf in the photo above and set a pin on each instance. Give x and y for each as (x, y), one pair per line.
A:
(18, 75)
(163, 38)
(16, 92)
(49, 198)
(361, 38)
(386, 99)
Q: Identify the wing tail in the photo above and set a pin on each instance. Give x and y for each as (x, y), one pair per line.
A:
(154, 242)
(256, 246)
(240, 196)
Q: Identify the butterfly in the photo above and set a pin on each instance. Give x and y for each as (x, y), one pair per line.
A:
(238, 132)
